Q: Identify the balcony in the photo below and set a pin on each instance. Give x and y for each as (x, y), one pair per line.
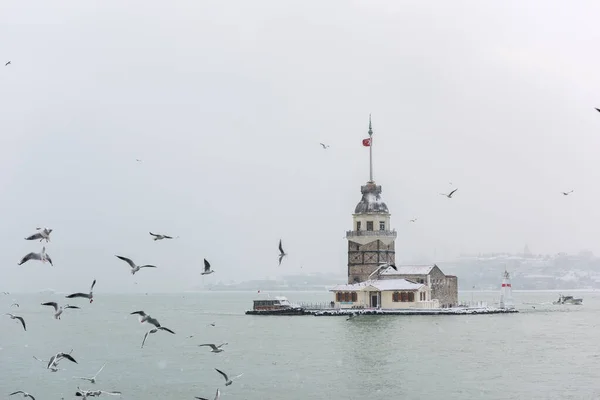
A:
(387, 234)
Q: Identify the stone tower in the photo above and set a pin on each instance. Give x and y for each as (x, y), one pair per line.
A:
(371, 242)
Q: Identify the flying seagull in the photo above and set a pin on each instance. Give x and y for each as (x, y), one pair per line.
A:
(597, 109)
(12, 316)
(146, 318)
(154, 330)
(8, 62)
(393, 267)
(158, 236)
(54, 360)
(352, 316)
(413, 220)
(15, 304)
(42, 234)
(58, 310)
(89, 295)
(42, 256)
(207, 269)
(215, 349)
(324, 145)
(93, 378)
(227, 380)
(134, 268)
(25, 394)
(449, 195)
(94, 393)
(567, 193)
(281, 252)
(217, 396)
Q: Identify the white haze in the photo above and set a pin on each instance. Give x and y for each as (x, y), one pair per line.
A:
(226, 103)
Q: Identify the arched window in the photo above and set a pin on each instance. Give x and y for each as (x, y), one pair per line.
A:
(411, 296)
(404, 296)
(354, 297)
(347, 297)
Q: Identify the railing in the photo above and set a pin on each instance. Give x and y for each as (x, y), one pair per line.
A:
(371, 233)
(316, 306)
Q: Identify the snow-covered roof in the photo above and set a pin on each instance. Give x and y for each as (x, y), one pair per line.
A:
(408, 270)
(381, 285)
(371, 200)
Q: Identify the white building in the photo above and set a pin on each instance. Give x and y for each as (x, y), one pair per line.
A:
(386, 294)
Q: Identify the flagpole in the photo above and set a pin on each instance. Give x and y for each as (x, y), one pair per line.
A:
(370, 151)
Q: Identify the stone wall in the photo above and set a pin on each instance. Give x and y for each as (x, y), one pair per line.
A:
(364, 259)
(446, 291)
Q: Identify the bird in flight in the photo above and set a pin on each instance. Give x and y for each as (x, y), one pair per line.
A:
(449, 195)
(42, 256)
(138, 160)
(281, 252)
(217, 396)
(8, 63)
(54, 360)
(597, 109)
(134, 268)
(207, 270)
(215, 349)
(413, 220)
(154, 330)
(325, 146)
(227, 380)
(93, 378)
(43, 234)
(89, 295)
(146, 318)
(12, 316)
(94, 393)
(567, 193)
(25, 394)
(160, 237)
(58, 310)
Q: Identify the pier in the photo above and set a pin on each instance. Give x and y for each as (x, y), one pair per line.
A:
(336, 312)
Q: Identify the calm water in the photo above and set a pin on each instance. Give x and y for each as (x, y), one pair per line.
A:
(550, 352)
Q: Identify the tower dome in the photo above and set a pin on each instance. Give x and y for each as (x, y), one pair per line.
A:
(371, 201)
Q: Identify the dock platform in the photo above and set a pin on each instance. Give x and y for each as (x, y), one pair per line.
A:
(348, 312)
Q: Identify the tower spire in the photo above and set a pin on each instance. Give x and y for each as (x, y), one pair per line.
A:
(370, 150)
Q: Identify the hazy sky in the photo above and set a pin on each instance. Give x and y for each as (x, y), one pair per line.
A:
(226, 103)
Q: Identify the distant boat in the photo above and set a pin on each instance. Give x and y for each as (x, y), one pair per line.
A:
(567, 300)
(276, 306)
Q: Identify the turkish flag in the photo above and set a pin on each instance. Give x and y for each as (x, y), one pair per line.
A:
(367, 142)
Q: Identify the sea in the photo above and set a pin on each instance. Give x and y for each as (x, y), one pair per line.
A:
(544, 352)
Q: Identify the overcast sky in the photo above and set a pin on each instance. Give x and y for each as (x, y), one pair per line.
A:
(226, 103)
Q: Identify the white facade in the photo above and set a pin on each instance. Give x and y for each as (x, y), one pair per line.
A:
(385, 294)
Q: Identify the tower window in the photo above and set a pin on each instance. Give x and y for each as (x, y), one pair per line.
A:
(369, 225)
(358, 225)
(381, 225)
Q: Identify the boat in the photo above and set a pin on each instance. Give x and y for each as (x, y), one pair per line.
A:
(567, 300)
(279, 305)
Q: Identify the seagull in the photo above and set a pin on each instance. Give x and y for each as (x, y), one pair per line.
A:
(211, 324)
(93, 378)
(89, 295)
(567, 193)
(5, 66)
(227, 380)
(42, 234)
(138, 160)
(325, 146)
(134, 268)
(146, 318)
(393, 266)
(12, 316)
(449, 195)
(58, 310)
(352, 316)
(413, 220)
(154, 330)
(94, 393)
(597, 109)
(42, 256)
(15, 304)
(25, 394)
(54, 360)
(215, 349)
(160, 237)
(52, 368)
(217, 396)
(207, 270)
(281, 252)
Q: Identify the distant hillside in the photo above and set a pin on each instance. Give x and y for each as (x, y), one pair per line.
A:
(292, 282)
(528, 271)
